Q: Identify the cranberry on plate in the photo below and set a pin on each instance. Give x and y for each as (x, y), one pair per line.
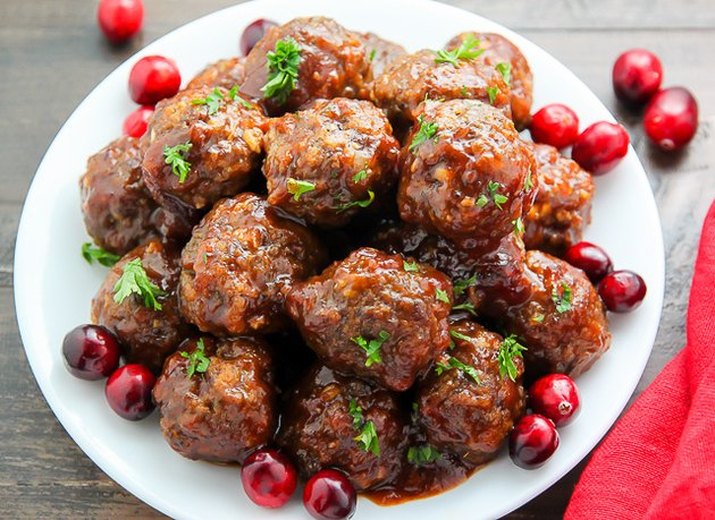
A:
(671, 118)
(591, 259)
(128, 391)
(533, 441)
(254, 32)
(329, 495)
(152, 79)
(120, 19)
(136, 123)
(556, 397)
(622, 291)
(556, 125)
(91, 352)
(268, 478)
(637, 75)
(600, 147)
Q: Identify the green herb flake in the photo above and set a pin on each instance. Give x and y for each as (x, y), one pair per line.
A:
(97, 254)
(482, 201)
(518, 226)
(460, 286)
(463, 91)
(458, 335)
(424, 454)
(366, 438)
(428, 130)
(297, 187)
(198, 362)
(453, 362)
(358, 203)
(134, 280)
(492, 92)
(468, 50)
(466, 306)
(562, 298)
(442, 296)
(175, 156)
(493, 190)
(283, 63)
(361, 175)
(212, 101)
(538, 318)
(528, 183)
(504, 68)
(411, 267)
(509, 349)
(372, 54)
(372, 347)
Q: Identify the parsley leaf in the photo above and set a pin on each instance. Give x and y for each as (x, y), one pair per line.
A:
(371, 56)
(372, 347)
(134, 280)
(466, 306)
(528, 184)
(442, 296)
(458, 335)
(233, 93)
(493, 190)
(212, 101)
(538, 318)
(420, 455)
(94, 253)
(175, 157)
(492, 92)
(361, 203)
(562, 298)
(283, 63)
(463, 91)
(518, 226)
(355, 412)
(361, 175)
(453, 362)
(427, 131)
(462, 285)
(366, 438)
(504, 68)
(508, 350)
(198, 362)
(297, 187)
(469, 49)
(411, 267)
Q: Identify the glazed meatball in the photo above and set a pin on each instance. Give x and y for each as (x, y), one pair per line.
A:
(412, 78)
(333, 62)
(470, 177)
(225, 73)
(323, 426)
(563, 324)
(500, 52)
(224, 412)
(468, 404)
(240, 263)
(216, 140)
(147, 334)
(375, 315)
(381, 53)
(116, 206)
(562, 208)
(324, 163)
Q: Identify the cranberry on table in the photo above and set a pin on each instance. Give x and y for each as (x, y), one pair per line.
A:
(637, 75)
(622, 291)
(556, 125)
(329, 495)
(136, 123)
(600, 147)
(533, 441)
(671, 118)
(91, 352)
(152, 79)
(254, 32)
(128, 391)
(120, 19)
(268, 478)
(556, 397)
(591, 259)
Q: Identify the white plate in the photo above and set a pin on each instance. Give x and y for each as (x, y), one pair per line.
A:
(53, 284)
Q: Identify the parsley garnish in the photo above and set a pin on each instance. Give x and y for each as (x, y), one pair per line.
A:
(134, 280)
(372, 347)
(462, 285)
(233, 93)
(411, 267)
(466, 306)
(442, 296)
(367, 434)
(509, 349)
(538, 318)
(453, 362)
(527, 182)
(463, 90)
(518, 226)
(492, 92)
(372, 55)
(174, 157)
(283, 65)
(297, 187)
(459, 335)
(212, 101)
(427, 131)
(562, 298)
(504, 68)
(103, 257)
(493, 189)
(198, 362)
(361, 175)
(420, 455)
(362, 203)
(466, 51)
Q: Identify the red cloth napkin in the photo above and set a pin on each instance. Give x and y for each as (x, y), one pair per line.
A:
(658, 462)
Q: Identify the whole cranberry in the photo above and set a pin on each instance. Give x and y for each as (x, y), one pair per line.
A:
(136, 123)
(533, 441)
(591, 259)
(152, 79)
(329, 495)
(637, 75)
(268, 478)
(555, 397)
(600, 147)
(254, 32)
(671, 118)
(128, 391)
(120, 19)
(622, 291)
(91, 352)
(556, 125)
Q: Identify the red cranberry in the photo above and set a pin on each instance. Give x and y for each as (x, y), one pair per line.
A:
(152, 79)
(136, 123)
(268, 478)
(600, 147)
(671, 118)
(591, 259)
(637, 74)
(555, 397)
(622, 291)
(556, 125)
(120, 19)
(532, 441)
(329, 495)
(91, 352)
(128, 391)
(253, 33)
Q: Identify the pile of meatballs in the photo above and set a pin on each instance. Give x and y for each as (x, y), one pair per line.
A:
(373, 239)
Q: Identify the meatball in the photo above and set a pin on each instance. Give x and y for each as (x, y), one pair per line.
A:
(412, 78)
(323, 164)
(469, 177)
(381, 53)
(332, 63)
(562, 208)
(240, 263)
(563, 324)
(116, 206)
(225, 73)
(375, 315)
(224, 412)
(202, 146)
(147, 334)
(469, 403)
(332, 420)
(500, 52)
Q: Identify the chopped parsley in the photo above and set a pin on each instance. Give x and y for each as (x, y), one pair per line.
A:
(372, 347)
(538, 318)
(427, 131)
(361, 203)
(411, 267)
(459, 335)
(442, 296)
(504, 68)
(463, 91)
(518, 226)
(468, 50)
(562, 298)
(528, 184)
(175, 156)
(493, 191)
(366, 438)
(420, 455)
(453, 362)
(283, 63)
(372, 54)
(212, 101)
(361, 175)
(462, 285)
(198, 362)
(298, 187)
(466, 306)
(134, 280)
(97, 254)
(509, 349)
(492, 92)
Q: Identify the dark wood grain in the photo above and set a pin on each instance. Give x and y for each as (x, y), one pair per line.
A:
(52, 56)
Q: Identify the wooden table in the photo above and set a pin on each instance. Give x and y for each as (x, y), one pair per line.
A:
(52, 55)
